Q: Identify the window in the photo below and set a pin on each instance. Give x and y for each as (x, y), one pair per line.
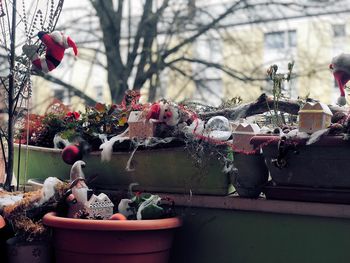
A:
(61, 94)
(274, 40)
(209, 49)
(339, 30)
(281, 39)
(292, 38)
(209, 86)
(209, 91)
(99, 93)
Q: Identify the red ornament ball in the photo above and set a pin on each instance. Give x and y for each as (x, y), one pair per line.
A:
(71, 154)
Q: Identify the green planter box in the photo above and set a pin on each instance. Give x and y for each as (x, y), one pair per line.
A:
(169, 170)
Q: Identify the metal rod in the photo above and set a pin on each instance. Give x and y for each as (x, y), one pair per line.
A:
(10, 137)
(19, 162)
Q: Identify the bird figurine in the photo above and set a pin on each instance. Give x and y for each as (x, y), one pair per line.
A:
(56, 43)
(340, 67)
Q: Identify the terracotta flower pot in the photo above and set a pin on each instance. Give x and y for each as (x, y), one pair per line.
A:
(107, 241)
(29, 252)
(2, 222)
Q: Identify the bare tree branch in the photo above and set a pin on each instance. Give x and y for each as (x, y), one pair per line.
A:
(74, 90)
(261, 105)
(149, 34)
(202, 30)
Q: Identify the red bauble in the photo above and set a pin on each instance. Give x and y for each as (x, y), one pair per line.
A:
(71, 154)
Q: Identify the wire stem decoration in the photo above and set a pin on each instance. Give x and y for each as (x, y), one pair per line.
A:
(27, 18)
(2, 12)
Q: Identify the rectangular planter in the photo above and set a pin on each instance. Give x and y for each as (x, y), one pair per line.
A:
(324, 164)
(170, 170)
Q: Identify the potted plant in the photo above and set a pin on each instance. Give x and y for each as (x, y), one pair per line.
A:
(112, 241)
(132, 235)
(186, 170)
(312, 172)
(29, 240)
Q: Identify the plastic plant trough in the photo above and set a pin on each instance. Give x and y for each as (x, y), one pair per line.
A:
(324, 164)
(170, 170)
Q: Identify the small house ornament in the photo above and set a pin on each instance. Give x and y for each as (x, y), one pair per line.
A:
(314, 117)
(99, 206)
(243, 134)
(139, 127)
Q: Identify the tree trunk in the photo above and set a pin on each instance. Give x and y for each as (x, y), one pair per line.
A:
(110, 22)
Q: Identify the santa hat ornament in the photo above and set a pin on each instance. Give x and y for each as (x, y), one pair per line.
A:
(166, 112)
(340, 67)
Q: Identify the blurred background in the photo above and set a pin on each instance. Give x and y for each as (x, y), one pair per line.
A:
(208, 51)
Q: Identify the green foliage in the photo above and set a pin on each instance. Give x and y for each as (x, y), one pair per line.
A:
(230, 103)
(101, 119)
(277, 82)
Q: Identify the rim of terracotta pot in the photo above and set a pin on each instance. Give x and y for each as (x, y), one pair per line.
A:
(2, 222)
(52, 220)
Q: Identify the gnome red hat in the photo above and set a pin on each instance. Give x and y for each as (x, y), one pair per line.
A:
(56, 43)
(341, 71)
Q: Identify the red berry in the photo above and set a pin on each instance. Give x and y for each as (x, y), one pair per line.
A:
(71, 154)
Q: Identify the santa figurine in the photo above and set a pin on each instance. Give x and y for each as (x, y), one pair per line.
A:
(164, 111)
(56, 43)
(340, 67)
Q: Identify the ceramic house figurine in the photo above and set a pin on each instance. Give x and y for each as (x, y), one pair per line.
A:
(99, 206)
(242, 135)
(139, 127)
(314, 117)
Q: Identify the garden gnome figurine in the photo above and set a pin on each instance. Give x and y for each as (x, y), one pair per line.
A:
(87, 205)
(79, 189)
(56, 43)
(340, 67)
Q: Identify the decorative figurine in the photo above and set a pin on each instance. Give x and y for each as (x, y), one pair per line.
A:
(242, 135)
(56, 43)
(139, 126)
(83, 203)
(314, 117)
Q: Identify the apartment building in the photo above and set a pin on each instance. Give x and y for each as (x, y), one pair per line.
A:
(246, 43)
